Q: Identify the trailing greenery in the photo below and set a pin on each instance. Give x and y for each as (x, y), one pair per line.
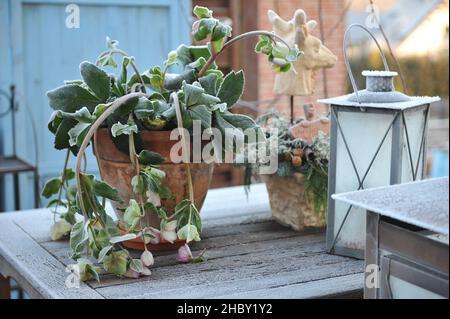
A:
(133, 102)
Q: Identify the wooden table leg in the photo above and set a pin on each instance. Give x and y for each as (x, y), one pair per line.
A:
(16, 191)
(5, 289)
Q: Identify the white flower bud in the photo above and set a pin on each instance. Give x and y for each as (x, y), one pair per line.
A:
(171, 226)
(170, 236)
(59, 229)
(153, 198)
(146, 272)
(131, 274)
(147, 258)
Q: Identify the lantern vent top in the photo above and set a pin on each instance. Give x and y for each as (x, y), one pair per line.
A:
(379, 89)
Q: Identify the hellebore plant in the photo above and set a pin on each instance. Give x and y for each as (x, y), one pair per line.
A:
(128, 105)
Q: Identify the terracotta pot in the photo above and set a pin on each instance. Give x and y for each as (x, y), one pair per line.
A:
(118, 171)
(289, 206)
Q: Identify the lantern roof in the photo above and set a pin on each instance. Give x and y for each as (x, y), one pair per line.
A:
(379, 93)
(414, 101)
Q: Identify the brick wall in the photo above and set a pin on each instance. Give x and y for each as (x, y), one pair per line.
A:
(333, 30)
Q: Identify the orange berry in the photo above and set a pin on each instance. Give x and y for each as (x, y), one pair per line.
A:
(296, 160)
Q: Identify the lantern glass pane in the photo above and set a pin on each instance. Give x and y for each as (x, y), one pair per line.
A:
(414, 121)
(364, 135)
(402, 289)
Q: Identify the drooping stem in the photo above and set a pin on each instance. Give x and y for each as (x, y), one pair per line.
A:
(63, 178)
(291, 103)
(100, 169)
(135, 161)
(230, 42)
(133, 65)
(175, 100)
(114, 106)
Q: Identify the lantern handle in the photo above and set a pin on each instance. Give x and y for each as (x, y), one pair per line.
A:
(347, 63)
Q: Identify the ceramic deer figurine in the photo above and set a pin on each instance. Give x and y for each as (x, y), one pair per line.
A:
(316, 55)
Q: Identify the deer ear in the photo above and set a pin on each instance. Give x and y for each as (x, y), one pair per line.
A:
(299, 17)
(279, 25)
(312, 24)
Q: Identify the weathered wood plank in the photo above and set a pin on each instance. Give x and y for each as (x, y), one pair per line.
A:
(233, 203)
(222, 260)
(228, 255)
(335, 287)
(247, 228)
(36, 223)
(212, 282)
(38, 272)
(241, 267)
(212, 238)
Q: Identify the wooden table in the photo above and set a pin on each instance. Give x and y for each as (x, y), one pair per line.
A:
(250, 256)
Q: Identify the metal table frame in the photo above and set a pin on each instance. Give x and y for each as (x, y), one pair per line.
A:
(13, 164)
(403, 252)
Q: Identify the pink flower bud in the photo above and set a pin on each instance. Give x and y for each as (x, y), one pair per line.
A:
(184, 254)
(156, 240)
(154, 236)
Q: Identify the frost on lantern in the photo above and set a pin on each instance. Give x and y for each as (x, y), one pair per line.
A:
(378, 137)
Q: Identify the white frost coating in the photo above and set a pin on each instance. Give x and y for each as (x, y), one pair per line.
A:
(423, 204)
(379, 73)
(415, 101)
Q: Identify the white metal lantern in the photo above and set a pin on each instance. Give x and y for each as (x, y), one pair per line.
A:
(378, 137)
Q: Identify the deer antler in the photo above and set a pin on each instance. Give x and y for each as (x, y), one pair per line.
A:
(281, 27)
(302, 26)
(311, 25)
(299, 18)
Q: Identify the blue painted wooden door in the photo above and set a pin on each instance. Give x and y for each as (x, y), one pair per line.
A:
(40, 51)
